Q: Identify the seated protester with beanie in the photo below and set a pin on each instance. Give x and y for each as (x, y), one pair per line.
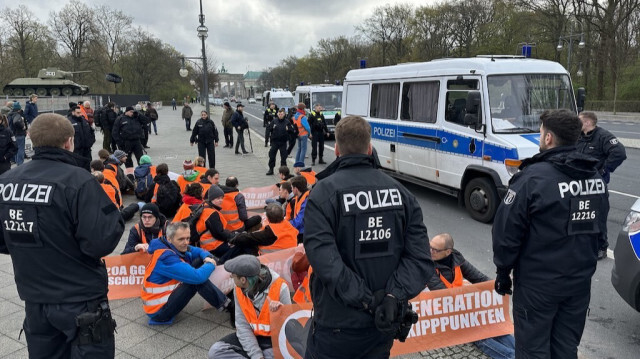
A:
(258, 292)
(190, 175)
(113, 164)
(210, 224)
(149, 227)
(451, 269)
(307, 173)
(234, 208)
(176, 272)
(166, 192)
(278, 234)
(300, 195)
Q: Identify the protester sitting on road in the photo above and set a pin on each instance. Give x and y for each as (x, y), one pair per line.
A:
(149, 227)
(109, 176)
(143, 175)
(451, 269)
(176, 272)
(278, 234)
(209, 178)
(200, 165)
(285, 195)
(258, 292)
(114, 164)
(166, 192)
(300, 170)
(234, 208)
(300, 193)
(190, 175)
(126, 212)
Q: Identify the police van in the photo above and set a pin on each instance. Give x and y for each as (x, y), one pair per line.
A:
(282, 98)
(460, 126)
(329, 96)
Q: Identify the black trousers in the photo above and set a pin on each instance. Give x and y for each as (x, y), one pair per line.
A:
(5, 166)
(50, 330)
(548, 326)
(240, 140)
(228, 136)
(317, 145)
(275, 147)
(146, 130)
(325, 343)
(132, 147)
(292, 144)
(208, 149)
(129, 211)
(267, 134)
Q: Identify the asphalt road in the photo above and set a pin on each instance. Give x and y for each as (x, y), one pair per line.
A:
(613, 328)
(624, 129)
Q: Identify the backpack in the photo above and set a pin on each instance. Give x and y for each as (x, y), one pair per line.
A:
(168, 198)
(192, 220)
(144, 181)
(100, 116)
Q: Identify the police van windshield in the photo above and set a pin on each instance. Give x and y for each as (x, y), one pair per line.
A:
(283, 102)
(330, 101)
(518, 100)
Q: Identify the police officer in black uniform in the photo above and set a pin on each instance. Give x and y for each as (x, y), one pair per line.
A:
(270, 114)
(546, 230)
(84, 136)
(205, 133)
(8, 146)
(369, 250)
(57, 225)
(319, 131)
(128, 131)
(280, 130)
(602, 145)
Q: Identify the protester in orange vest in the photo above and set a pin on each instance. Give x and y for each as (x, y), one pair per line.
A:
(301, 123)
(166, 192)
(149, 227)
(258, 292)
(300, 193)
(278, 234)
(234, 208)
(307, 173)
(209, 178)
(109, 189)
(189, 175)
(200, 166)
(451, 270)
(176, 272)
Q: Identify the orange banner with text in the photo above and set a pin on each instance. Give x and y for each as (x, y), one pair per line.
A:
(255, 197)
(125, 273)
(446, 317)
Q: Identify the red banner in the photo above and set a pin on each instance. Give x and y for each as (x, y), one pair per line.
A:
(125, 273)
(256, 196)
(446, 317)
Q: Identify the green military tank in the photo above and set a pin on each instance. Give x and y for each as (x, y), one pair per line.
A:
(50, 82)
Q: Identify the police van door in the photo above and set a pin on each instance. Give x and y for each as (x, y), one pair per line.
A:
(460, 145)
(417, 136)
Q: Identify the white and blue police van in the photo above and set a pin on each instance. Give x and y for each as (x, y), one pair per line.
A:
(327, 95)
(460, 126)
(282, 98)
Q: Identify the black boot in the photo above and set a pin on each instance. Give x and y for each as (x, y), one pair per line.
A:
(270, 173)
(322, 162)
(313, 162)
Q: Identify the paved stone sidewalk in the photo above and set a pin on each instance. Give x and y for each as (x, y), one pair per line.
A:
(194, 330)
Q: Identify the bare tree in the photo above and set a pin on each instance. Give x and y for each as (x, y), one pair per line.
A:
(73, 26)
(388, 27)
(114, 29)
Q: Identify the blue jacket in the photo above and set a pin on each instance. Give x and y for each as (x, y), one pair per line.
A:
(238, 120)
(298, 221)
(30, 111)
(170, 266)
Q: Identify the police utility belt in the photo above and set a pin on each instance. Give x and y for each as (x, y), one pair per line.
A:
(95, 327)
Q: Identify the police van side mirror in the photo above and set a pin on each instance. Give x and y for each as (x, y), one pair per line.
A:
(473, 109)
(582, 96)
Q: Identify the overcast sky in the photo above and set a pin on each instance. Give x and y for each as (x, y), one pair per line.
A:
(244, 34)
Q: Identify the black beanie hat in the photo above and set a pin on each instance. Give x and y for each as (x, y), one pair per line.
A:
(150, 208)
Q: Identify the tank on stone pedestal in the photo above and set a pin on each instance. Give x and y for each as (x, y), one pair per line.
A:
(50, 82)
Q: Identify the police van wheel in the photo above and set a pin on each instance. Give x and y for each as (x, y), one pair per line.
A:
(481, 199)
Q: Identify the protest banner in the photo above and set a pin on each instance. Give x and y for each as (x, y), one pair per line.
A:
(446, 317)
(125, 274)
(255, 197)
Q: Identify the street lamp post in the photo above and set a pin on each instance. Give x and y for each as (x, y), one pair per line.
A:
(570, 39)
(202, 34)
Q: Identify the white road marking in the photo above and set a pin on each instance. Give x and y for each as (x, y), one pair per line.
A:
(635, 133)
(624, 194)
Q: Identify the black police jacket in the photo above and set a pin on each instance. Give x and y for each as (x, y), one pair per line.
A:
(84, 136)
(317, 123)
(8, 147)
(363, 232)
(58, 224)
(603, 146)
(280, 130)
(204, 131)
(127, 129)
(546, 229)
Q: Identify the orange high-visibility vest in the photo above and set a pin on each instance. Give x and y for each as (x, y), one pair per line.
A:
(143, 235)
(152, 170)
(205, 189)
(111, 175)
(183, 212)
(288, 211)
(154, 199)
(207, 241)
(287, 237)
(303, 294)
(299, 202)
(457, 278)
(259, 323)
(309, 176)
(230, 212)
(154, 296)
(297, 120)
(201, 171)
(113, 193)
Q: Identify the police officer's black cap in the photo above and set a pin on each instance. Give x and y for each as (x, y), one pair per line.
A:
(129, 108)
